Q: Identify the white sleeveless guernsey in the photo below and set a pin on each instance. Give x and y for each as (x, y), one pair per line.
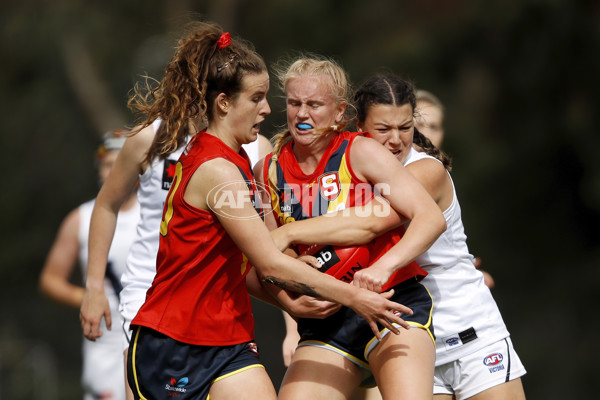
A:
(119, 248)
(154, 185)
(102, 361)
(465, 315)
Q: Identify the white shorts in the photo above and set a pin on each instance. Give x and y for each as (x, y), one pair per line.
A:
(128, 312)
(488, 367)
(103, 372)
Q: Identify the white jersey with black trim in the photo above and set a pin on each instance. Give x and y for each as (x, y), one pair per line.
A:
(102, 372)
(154, 185)
(119, 249)
(152, 191)
(465, 315)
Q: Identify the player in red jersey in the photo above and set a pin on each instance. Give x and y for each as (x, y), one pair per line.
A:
(194, 333)
(317, 168)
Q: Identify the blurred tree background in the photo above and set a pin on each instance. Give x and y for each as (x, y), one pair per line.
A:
(520, 82)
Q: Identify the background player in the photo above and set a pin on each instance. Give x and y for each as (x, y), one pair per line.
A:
(429, 120)
(103, 375)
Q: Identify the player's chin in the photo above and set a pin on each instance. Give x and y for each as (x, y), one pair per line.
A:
(251, 136)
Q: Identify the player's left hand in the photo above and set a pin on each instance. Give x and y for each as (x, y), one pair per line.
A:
(372, 278)
(487, 277)
(310, 260)
(377, 308)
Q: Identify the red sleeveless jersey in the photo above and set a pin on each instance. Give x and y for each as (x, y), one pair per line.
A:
(199, 294)
(332, 186)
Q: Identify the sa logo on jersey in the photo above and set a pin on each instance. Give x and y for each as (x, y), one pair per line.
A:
(329, 185)
(493, 359)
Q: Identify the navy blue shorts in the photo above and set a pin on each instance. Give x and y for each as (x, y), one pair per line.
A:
(349, 334)
(159, 367)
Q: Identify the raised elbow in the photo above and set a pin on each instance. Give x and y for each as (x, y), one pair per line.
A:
(44, 284)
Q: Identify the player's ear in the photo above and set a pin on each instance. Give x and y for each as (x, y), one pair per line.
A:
(223, 103)
(341, 110)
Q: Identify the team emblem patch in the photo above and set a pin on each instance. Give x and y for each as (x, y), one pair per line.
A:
(253, 347)
(329, 185)
(168, 173)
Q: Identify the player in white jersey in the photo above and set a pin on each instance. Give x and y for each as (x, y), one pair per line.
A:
(154, 182)
(102, 371)
(474, 353)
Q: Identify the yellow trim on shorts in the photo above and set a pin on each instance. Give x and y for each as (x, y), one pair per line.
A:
(137, 386)
(385, 331)
(320, 344)
(430, 314)
(233, 373)
(237, 371)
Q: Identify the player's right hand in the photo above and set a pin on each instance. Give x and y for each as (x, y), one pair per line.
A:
(93, 307)
(289, 345)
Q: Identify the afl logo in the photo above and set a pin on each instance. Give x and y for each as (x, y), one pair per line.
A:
(225, 197)
(329, 185)
(493, 359)
(452, 341)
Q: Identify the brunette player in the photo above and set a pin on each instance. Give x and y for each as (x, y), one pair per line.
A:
(194, 333)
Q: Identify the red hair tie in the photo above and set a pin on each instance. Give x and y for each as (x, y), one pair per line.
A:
(224, 40)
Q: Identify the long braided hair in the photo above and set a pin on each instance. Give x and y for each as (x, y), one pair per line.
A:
(389, 89)
(207, 62)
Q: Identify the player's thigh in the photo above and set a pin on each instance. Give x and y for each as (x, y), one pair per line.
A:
(128, 391)
(403, 365)
(251, 383)
(511, 390)
(367, 394)
(317, 373)
(443, 397)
